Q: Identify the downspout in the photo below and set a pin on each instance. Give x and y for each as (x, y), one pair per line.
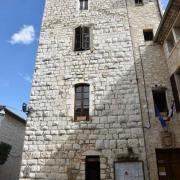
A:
(145, 145)
(145, 89)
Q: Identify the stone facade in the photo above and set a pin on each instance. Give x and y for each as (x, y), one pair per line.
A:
(151, 68)
(12, 132)
(56, 146)
(154, 69)
(158, 69)
(122, 70)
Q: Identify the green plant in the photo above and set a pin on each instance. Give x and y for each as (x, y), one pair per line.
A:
(4, 152)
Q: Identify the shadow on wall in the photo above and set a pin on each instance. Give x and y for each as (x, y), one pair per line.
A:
(156, 75)
(59, 152)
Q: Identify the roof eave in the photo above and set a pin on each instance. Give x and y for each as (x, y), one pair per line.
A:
(9, 112)
(163, 20)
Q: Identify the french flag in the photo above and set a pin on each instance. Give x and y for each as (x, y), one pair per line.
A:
(161, 119)
(171, 112)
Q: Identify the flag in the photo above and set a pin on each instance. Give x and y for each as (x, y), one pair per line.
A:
(161, 119)
(171, 112)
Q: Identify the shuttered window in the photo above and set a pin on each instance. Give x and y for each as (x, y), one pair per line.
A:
(85, 38)
(82, 38)
(175, 92)
(81, 110)
(78, 38)
(83, 4)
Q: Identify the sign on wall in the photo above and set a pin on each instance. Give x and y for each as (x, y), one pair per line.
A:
(129, 171)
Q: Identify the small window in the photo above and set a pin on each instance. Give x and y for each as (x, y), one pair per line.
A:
(92, 168)
(175, 90)
(148, 35)
(83, 4)
(81, 111)
(159, 97)
(138, 2)
(82, 38)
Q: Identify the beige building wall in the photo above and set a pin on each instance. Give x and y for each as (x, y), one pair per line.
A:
(12, 132)
(152, 73)
(173, 59)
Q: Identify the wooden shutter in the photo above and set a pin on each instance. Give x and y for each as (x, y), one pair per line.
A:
(85, 38)
(85, 101)
(78, 32)
(81, 108)
(175, 93)
(86, 5)
(81, 4)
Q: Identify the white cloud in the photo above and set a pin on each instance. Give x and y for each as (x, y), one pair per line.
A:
(26, 35)
(26, 77)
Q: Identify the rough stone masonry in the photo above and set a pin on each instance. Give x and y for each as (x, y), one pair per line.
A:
(55, 145)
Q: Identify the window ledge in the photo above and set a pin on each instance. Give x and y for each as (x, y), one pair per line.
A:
(148, 42)
(139, 4)
(83, 51)
(83, 12)
(90, 118)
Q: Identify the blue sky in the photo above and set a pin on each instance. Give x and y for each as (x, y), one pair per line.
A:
(19, 34)
(164, 4)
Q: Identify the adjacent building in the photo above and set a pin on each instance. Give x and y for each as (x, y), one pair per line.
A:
(12, 132)
(98, 82)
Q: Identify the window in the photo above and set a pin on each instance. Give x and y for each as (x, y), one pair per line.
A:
(175, 91)
(148, 35)
(81, 111)
(170, 42)
(138, 2)
(92, 168)
(83, 4)
(82, 38)
(159, 97)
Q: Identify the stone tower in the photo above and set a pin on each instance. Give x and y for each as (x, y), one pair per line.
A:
(85, 112)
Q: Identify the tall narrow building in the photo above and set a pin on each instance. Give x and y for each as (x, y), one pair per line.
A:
(91, 106)
(85, 109)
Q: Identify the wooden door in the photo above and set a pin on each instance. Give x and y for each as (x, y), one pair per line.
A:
(92, 168)
(168, 163)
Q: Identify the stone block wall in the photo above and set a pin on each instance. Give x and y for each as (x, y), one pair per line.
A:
(152, 72)
(56, 146)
